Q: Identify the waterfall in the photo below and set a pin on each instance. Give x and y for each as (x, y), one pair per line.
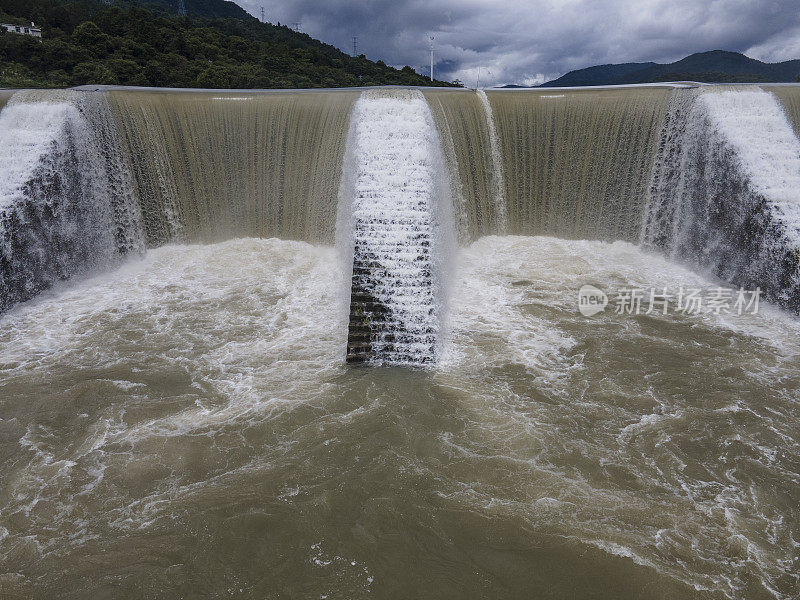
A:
(789, 98)
(577, 163)
(396, 226)
(461, 122)
(90, 176)
(708, 176)
(65, 201)
(5, 96)
(498, 185)
(725, 192)
(211, 166)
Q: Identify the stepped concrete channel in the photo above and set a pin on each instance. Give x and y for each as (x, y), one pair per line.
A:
(393, 312)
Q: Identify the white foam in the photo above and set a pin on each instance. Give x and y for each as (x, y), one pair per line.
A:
(272, 302)
(398, 176)
(549, 272)
(755, 125)
(27, 131)
(563, 404)
(208, 370)
(231, 333)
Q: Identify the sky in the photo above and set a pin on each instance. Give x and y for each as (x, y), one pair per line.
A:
(493, 42)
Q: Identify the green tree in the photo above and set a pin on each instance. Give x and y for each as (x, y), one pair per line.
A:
(214, 77)
(93, 72)
(88, 35)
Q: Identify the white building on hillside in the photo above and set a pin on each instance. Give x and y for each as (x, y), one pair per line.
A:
(23, 29)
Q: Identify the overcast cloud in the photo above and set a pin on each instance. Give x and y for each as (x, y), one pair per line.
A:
(531, 41)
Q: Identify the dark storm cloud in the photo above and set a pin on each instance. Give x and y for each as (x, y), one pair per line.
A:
(532, 40)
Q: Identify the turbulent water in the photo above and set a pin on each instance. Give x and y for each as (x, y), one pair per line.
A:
(725, 194)
(186, 427)
(66, 204)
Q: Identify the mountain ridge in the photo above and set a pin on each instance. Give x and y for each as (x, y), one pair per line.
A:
(714, 66)
(213, 9)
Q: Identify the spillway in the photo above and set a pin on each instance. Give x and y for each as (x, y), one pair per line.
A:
(211, 166)
(461, 120)
(66, 203)
(577, 162)
(725, 193)
(5, 95)
(603, 164)
(395, 198)
(498, 184)
(789, 98)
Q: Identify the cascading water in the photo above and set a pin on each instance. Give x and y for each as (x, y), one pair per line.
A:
(577, 163)
(567, 163)
(396, 194)
(65, 201)
(5, 96)
(725, 194)
(789, 98)
(212, 166)
(498, 185)
(462, 125)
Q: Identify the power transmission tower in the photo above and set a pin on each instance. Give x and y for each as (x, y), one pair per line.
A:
(355, 46)
(263, 20)
(181, 8)
(296, 26)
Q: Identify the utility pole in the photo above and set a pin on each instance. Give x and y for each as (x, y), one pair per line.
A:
(355, 46)
(431, 41)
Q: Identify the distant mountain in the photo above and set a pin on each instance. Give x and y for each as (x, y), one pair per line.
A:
(598, 75)
(716, 66)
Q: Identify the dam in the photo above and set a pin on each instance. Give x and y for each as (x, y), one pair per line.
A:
(307, 343)
(608, 164)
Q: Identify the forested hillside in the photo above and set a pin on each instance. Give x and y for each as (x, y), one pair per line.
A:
(203, 8)
(133, 43)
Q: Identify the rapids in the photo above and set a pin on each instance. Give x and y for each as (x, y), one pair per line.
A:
(186, 426)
